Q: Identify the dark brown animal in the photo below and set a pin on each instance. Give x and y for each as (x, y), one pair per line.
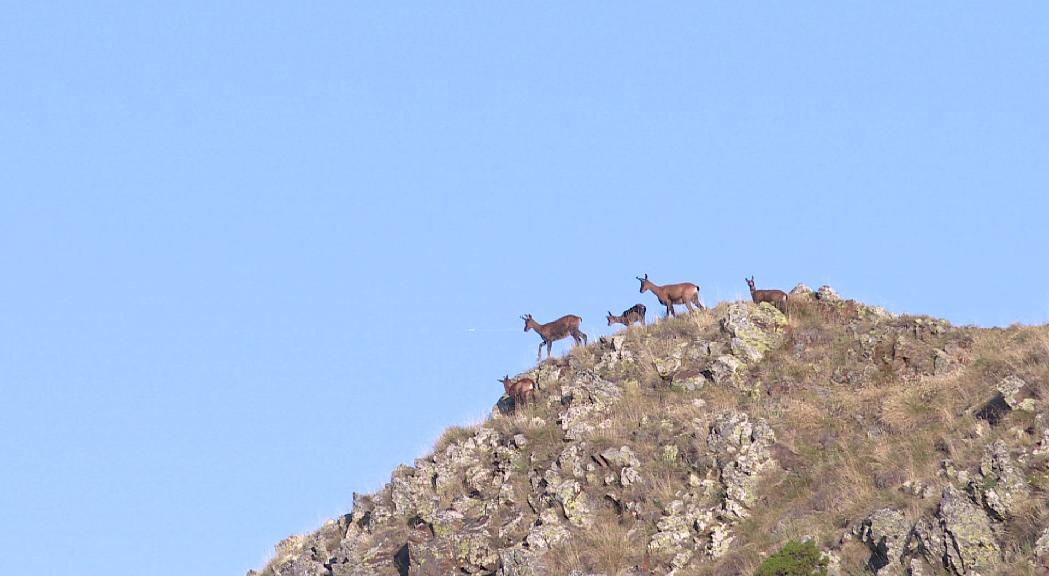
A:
(685, 293)
(551, 332)
(635, 313)
(521, 390)
(777, 298)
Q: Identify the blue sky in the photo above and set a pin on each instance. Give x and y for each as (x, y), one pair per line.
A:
(244, 245)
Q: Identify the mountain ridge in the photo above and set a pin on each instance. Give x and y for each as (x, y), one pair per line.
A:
(702, 444)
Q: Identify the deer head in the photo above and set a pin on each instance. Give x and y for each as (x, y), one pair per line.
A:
(506, 383)
(750, 282)
(644, 283)
(528, 321)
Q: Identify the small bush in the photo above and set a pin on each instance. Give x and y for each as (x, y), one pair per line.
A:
(794, 559)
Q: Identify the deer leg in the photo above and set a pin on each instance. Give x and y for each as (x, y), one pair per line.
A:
(539, 354)
(670, 310)
(549, 345)
(688, 304)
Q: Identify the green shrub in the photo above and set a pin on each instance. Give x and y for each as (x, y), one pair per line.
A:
(794, 559)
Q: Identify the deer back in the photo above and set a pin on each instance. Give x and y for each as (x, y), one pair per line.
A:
(521, 387)
(634, 312)
(678, 293)
(559, 328)
(760, 296)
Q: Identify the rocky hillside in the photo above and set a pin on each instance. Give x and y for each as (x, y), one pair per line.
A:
(704, 444)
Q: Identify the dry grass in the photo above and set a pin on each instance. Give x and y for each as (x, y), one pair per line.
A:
(453, 435)
(610, 548)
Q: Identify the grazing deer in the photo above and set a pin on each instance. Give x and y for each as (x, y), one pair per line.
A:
(551, 332)
(685, 293)
(777, 298)
(521, 390)
(635, 313)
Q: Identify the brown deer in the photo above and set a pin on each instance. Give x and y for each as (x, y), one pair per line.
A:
(777, 298)
(551, 332)
(635, 313)
(521, 390)
(685, 293)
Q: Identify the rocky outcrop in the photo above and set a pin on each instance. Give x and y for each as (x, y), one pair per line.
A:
(741, 449)
(1001, 486)
(1016, 394)
(587, 398)
(654, 451)
(960, 539)
(885, 532)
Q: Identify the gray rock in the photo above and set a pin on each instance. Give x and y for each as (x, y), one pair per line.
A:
(1041, 547)
(1012, 388)
(673, 532)
(520, 561)
(885, 532)
(1003, 486)
(727, 370)
(741, 450)
(826, 293)
(745, 350)
(969, 542)
(618, 457)
(801, 290)
(574, 504)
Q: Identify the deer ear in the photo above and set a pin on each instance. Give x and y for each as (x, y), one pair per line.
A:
(646, 276)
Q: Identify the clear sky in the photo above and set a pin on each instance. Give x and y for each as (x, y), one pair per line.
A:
(255, 254)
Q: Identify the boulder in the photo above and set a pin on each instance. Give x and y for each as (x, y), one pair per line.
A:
(801, 290)
(885, 532)
(827, 294)
(1016, 394)
(1002, 486)
(968, 540)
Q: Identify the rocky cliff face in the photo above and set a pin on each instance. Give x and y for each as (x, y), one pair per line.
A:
(702, 444)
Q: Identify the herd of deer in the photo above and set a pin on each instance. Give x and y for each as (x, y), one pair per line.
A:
(669, 295)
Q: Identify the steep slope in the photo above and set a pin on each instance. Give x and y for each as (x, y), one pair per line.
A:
(703, 444)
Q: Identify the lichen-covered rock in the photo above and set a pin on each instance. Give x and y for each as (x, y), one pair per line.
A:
(742, 453)
(801, 290)
(1041, 546)
(1042, 448)
(720, 540)
(1015, 393)
(618, 457)
(570, 462)
(672, 531)
(827, 294)
(745, 350)
(587, 397)
(1002, 486)
(727, 370)
(547, 531)
(885, 532)
(574, 504)
(969, 542)
(756, 327)
(521, 561)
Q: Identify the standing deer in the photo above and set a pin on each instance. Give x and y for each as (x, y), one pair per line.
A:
(777, 298)
(551, 332)
(635, 313)
(521, 390)
(685, 293)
